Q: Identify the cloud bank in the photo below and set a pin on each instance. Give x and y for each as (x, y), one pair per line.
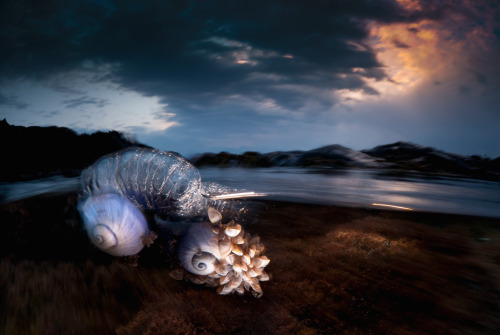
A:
(260, 75)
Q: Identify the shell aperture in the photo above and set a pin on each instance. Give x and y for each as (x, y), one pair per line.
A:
(114, 224)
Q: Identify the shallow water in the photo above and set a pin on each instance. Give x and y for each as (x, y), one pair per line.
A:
(359, 188)
(10, 192)
(363, 188)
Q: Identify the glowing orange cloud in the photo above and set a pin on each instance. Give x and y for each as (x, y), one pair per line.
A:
(421, 52)
(410, 4)
(410, 52)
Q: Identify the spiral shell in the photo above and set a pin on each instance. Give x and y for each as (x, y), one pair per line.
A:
(223, 256)
(198, 250)
(114, 224)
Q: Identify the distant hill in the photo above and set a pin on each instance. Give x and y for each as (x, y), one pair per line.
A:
(327, 156)
(395, 157)
(409, 156)
(36, 152)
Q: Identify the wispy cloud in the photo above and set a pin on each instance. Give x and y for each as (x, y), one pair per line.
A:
(12, 101)
(84, 101)
(52, 114)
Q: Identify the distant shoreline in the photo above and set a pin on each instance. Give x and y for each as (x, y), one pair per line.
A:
(38, 152)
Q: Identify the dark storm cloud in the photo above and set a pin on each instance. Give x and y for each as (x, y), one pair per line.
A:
(481, 78)
(82, 101)
(49, 115)
(187, 52)
(464, 89)
(399, 44)
(12, 101)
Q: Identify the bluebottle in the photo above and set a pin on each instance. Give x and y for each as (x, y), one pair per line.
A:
(161, 181)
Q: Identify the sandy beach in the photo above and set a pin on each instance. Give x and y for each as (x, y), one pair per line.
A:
(334, 270)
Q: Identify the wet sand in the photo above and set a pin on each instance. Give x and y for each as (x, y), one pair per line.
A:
(335, 270)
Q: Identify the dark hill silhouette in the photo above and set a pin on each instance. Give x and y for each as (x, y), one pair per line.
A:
(400, 157)
(36, 152)
(410, 156)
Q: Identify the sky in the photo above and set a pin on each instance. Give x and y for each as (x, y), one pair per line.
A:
(211, 76)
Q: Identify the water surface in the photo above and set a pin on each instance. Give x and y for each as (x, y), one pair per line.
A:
(360, 188)
(364, 188)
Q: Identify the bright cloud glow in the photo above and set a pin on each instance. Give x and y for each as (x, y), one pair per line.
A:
(411, 52)
(422, 54)
(84, 104)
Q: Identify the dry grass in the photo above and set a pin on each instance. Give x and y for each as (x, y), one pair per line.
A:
(334, 270)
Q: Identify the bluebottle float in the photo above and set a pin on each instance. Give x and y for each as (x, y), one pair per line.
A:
(163, 182)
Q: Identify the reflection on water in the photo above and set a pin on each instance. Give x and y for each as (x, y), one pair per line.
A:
(344, 187)
(25, 189)
(364, 187)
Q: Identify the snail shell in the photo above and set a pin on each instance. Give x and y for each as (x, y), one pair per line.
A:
(199, 250)
(218, 257)
(114, 224)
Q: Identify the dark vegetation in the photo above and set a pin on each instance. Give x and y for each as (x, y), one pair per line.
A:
(248, 159)
(399, 157)
(37, 152)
